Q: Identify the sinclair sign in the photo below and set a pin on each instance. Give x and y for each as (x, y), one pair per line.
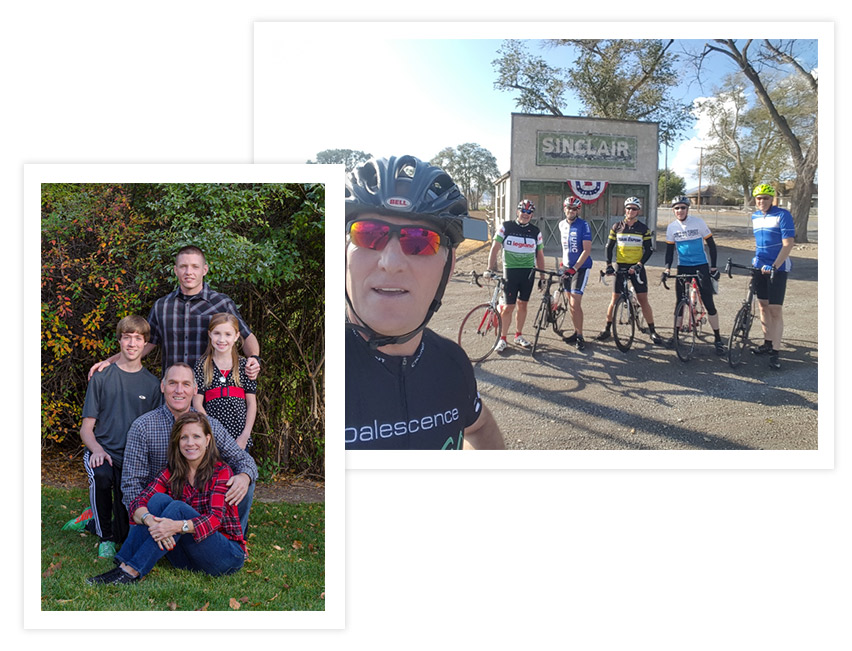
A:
(596, 150)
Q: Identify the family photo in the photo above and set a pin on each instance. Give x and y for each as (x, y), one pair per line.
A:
(182, 397)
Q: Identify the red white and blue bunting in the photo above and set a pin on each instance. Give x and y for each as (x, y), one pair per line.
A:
(588, 191)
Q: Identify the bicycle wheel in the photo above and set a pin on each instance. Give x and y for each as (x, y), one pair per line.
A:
(739, 336)
(637, 314)
(684, 330)
(623, 324)
(540, 322)
(562, 309)
(480, 332)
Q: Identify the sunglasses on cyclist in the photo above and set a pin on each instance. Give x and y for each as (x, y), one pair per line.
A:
(414, 240)
(526, 212)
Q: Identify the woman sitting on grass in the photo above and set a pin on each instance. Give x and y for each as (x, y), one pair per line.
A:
(182, 514)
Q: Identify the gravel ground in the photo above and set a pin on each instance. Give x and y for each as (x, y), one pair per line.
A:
(603, 399)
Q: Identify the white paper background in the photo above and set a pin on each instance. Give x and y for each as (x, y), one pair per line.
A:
(498, 559)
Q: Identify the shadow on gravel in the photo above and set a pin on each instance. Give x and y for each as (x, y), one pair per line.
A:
(646, 373)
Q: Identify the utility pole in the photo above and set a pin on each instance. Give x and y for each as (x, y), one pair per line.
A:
(700, 165)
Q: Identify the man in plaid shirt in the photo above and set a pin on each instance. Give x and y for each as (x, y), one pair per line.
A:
(146, 452)
(179, 320)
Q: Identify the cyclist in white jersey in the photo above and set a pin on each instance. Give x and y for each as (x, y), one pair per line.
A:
(687, 235)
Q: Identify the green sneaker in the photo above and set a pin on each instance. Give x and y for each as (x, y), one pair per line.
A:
(79, 523)
(106, 549)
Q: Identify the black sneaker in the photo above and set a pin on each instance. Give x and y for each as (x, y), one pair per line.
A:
(762, 349)
(603, 336)
(720, 348)
(774, 362)
(657, 339)
(570, 340)
(114, 577)
(581, 343)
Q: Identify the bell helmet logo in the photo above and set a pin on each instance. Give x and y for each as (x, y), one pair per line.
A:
(398, 202)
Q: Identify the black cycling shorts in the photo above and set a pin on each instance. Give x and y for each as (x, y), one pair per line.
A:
(705, 287)
(773, 292)
(519, 285)
(640, 287)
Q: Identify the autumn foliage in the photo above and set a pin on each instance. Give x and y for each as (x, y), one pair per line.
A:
(108, 251)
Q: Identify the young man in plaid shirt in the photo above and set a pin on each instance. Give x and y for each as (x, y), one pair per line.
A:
(179, 320)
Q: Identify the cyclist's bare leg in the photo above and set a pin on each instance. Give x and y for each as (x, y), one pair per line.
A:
(508, 311)
(647, 312)
(714, 321)
(575, 303)
(611, 307)
(522, 315)
(772, 321)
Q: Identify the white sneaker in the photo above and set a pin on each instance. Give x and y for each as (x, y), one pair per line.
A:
(523, 343)
(501, 346)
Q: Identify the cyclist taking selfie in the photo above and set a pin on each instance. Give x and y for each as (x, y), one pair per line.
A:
(406, 387)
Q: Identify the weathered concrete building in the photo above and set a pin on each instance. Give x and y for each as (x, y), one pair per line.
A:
(601, 161)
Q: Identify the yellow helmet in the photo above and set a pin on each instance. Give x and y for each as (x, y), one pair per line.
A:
(765, 189)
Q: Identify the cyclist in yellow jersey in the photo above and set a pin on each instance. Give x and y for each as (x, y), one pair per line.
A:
(632, 241)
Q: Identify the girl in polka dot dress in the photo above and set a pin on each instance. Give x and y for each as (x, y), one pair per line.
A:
(224, 390)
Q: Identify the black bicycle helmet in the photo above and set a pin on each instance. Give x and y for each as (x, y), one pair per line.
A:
(407, 186)
(399, 187)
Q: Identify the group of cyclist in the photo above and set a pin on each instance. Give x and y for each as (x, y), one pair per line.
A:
(408, 388)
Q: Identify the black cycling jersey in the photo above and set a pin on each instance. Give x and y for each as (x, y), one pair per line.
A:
(421, 402)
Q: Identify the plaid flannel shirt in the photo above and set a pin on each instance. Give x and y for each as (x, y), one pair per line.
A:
(147, 451)
(179, 323)
(209, 501)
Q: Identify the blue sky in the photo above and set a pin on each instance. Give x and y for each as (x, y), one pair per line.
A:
(419, 94)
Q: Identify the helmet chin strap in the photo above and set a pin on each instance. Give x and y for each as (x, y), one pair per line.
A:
(376, 339)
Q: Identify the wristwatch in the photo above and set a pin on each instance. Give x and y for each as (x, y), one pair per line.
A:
(185, 526)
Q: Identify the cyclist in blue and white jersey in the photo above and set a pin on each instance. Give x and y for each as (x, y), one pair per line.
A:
(687, 235)
(774, 235)
(577, 262)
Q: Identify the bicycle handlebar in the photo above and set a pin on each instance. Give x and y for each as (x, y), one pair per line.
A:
(665, 275)
(754, 270)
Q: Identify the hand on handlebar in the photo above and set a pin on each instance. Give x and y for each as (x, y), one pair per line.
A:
(610, 270)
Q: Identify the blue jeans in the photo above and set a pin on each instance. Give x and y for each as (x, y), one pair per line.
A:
(245, 506)
(215, 555)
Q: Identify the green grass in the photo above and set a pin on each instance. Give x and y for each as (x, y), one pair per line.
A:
(285, 569)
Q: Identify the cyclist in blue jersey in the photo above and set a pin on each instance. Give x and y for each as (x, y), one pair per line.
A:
(774, 235)
(577, 264)
(687, 235)
(406, 387)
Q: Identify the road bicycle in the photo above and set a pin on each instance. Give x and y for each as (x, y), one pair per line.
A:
(553, 307)
(745, 316)
(627, 314)
(690, 314)
(480, 329)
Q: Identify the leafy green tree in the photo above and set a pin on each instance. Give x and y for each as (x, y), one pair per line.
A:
(108, 251)
(612, 78)
(541, 87)
(472, 167)
(744, 145)
(350, 158)
(669, 185)
(767, 64)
